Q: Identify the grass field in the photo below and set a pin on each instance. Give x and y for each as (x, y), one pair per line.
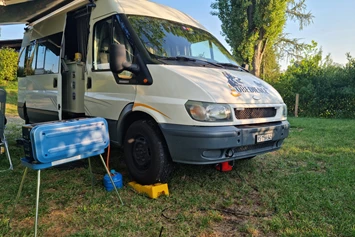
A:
(11, 97)
(305, 189)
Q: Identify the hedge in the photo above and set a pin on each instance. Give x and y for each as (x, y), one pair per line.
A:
(326, 90)
(8, 64)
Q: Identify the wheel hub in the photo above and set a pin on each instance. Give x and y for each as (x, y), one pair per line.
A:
(141, 153)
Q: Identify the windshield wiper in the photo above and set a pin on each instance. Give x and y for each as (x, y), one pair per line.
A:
(183, 58)
(233, 65)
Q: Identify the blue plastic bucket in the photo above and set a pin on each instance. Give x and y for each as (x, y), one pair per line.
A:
(117, 179)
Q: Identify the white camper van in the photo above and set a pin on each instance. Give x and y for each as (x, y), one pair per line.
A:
(168, 89)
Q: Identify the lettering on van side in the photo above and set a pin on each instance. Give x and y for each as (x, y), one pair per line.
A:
(251, 89)
(236, 85)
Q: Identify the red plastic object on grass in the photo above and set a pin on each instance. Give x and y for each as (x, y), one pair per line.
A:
(224, 167)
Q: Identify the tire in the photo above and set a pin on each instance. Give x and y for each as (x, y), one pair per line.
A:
(146, 153)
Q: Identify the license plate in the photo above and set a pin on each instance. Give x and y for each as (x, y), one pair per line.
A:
(263, 138)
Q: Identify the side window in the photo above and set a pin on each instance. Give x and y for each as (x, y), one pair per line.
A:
(102, 41)
(199, 49)
(52, 60)
(42, 56)
(52, 55)
(21, 63)
(106, 33)
(219, 54)
(41, 53)
(30, 60)
(120, 38)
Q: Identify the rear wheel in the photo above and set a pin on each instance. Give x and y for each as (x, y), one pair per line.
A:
(146, 153)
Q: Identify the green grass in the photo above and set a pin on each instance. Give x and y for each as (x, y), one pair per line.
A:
(11, 98)
(305, 189)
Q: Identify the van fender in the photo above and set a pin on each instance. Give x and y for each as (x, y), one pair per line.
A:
(120, 127)
(129, 115)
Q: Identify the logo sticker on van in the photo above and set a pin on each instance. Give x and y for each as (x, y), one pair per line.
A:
(232, 83)
(232, 80)
(237, 85)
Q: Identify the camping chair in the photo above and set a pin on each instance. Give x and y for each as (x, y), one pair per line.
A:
(3, 142)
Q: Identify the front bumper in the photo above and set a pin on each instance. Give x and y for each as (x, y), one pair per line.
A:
(211, 145)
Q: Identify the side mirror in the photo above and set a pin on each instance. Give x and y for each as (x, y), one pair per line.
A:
(245, 66)
(118, 61)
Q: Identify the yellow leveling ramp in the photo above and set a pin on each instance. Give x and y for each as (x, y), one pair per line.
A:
(153, 191)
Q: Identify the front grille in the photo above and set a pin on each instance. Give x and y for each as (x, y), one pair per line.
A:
(254, 147)
(251, 113)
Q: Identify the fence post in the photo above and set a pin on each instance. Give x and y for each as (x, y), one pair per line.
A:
(296, 104)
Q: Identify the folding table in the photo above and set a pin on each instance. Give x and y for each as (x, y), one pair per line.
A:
(54, 143)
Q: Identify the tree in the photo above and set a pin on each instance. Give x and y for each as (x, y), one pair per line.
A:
(251, 26)
(8, 64)
(270, 67)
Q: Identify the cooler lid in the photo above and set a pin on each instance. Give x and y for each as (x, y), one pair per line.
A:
(69, 138)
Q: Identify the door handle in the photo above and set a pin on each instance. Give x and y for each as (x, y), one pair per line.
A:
(89, 83)
(55, 83)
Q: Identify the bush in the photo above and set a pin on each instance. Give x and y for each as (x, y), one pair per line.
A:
(8, 65)
(326, 90)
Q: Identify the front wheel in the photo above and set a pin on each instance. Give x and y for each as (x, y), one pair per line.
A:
(146, 153)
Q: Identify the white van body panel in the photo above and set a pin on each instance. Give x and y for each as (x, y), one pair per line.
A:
(165, 99)
(107, 98)
(173, 86)
(229, 86)
(40, 93)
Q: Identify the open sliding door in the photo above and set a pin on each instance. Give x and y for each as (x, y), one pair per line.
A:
(42, 54)
(43, 77)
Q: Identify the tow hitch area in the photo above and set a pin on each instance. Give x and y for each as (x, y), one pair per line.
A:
(224, 167)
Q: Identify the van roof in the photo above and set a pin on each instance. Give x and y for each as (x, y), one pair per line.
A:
(30, 11)
(152, 9)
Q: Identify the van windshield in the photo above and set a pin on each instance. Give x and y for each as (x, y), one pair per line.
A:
(164, 39)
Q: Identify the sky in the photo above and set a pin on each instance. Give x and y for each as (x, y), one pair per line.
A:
(332, 26)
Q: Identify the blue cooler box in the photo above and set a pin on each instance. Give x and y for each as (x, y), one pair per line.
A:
(60, 142)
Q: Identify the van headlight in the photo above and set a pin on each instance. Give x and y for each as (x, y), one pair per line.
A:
(284, 111)
(209, 112)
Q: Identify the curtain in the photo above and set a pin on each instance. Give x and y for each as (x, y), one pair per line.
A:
(82, 26)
